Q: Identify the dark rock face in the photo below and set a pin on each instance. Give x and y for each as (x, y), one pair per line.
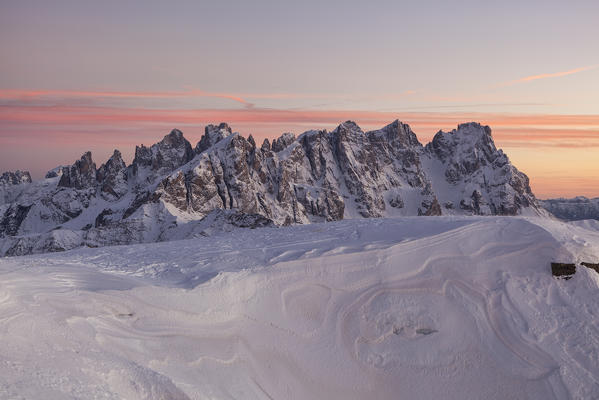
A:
(15, 178)
(433, 208)
(173, 191)
(324, 203)
(54, 173)
(12, 219)
(112, 177)
(161, 158)
(282, 142)
(265, 146)
(212, 135)
(102, 218)
(242, 220)
(80, 175)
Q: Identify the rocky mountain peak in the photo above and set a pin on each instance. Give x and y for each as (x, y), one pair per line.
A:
(163, 157)
(347, 126)
(319, 176)
(252, 141)
(174, 138)
(466, 141)
(265, 145)
(15, 178)
(174, 141)
(112, 177)
(80, 175)
(212, 135)
(474, 127)
(282, 142)
(398, 132)
(488, 182)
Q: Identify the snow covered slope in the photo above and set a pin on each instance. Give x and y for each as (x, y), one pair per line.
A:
(387, 308)
(170, 187)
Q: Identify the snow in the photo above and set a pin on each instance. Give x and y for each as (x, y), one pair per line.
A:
(578, 208)
(410, 307)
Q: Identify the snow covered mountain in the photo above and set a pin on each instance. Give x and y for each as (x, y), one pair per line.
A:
(14, 178)
(172, 190)
(574, 209)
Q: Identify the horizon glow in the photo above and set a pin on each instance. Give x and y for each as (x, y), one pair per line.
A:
(83, 75)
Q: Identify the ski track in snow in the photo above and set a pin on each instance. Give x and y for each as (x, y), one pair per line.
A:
(440, 307)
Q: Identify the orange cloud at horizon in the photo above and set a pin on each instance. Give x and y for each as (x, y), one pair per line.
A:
(72, 130)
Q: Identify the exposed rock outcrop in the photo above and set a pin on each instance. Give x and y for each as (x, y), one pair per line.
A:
(212, 135)
(161, 158)
(174, 191)
(54, 172)
(15, 178)
(112, 177)
(80, 175)
(481, 178)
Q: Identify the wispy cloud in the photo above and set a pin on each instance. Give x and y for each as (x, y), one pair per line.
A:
(268, 122)
(112, 98)
(31, 95)
(547, 75)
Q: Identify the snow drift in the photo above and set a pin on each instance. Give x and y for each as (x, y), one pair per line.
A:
(388, 308)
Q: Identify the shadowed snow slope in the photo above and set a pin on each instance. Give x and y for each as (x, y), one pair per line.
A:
(408, 308)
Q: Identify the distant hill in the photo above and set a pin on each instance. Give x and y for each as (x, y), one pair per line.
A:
(573, 209)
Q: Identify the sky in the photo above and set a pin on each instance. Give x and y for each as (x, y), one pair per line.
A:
(83, 75)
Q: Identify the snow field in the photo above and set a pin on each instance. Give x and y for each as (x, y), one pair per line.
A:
(440, 307)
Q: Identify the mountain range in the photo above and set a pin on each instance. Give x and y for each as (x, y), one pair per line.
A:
(173, 190)
(577, 208)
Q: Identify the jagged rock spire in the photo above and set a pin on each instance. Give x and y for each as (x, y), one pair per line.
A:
(112, 177)
(212, 135)
(80, 175)
(161, 158)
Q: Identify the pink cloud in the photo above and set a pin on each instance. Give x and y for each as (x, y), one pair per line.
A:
(548, 75)
(65, 132)
(12, 94)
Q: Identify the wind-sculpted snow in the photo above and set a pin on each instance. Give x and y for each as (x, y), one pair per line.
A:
(320, 176)
(437, 307)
